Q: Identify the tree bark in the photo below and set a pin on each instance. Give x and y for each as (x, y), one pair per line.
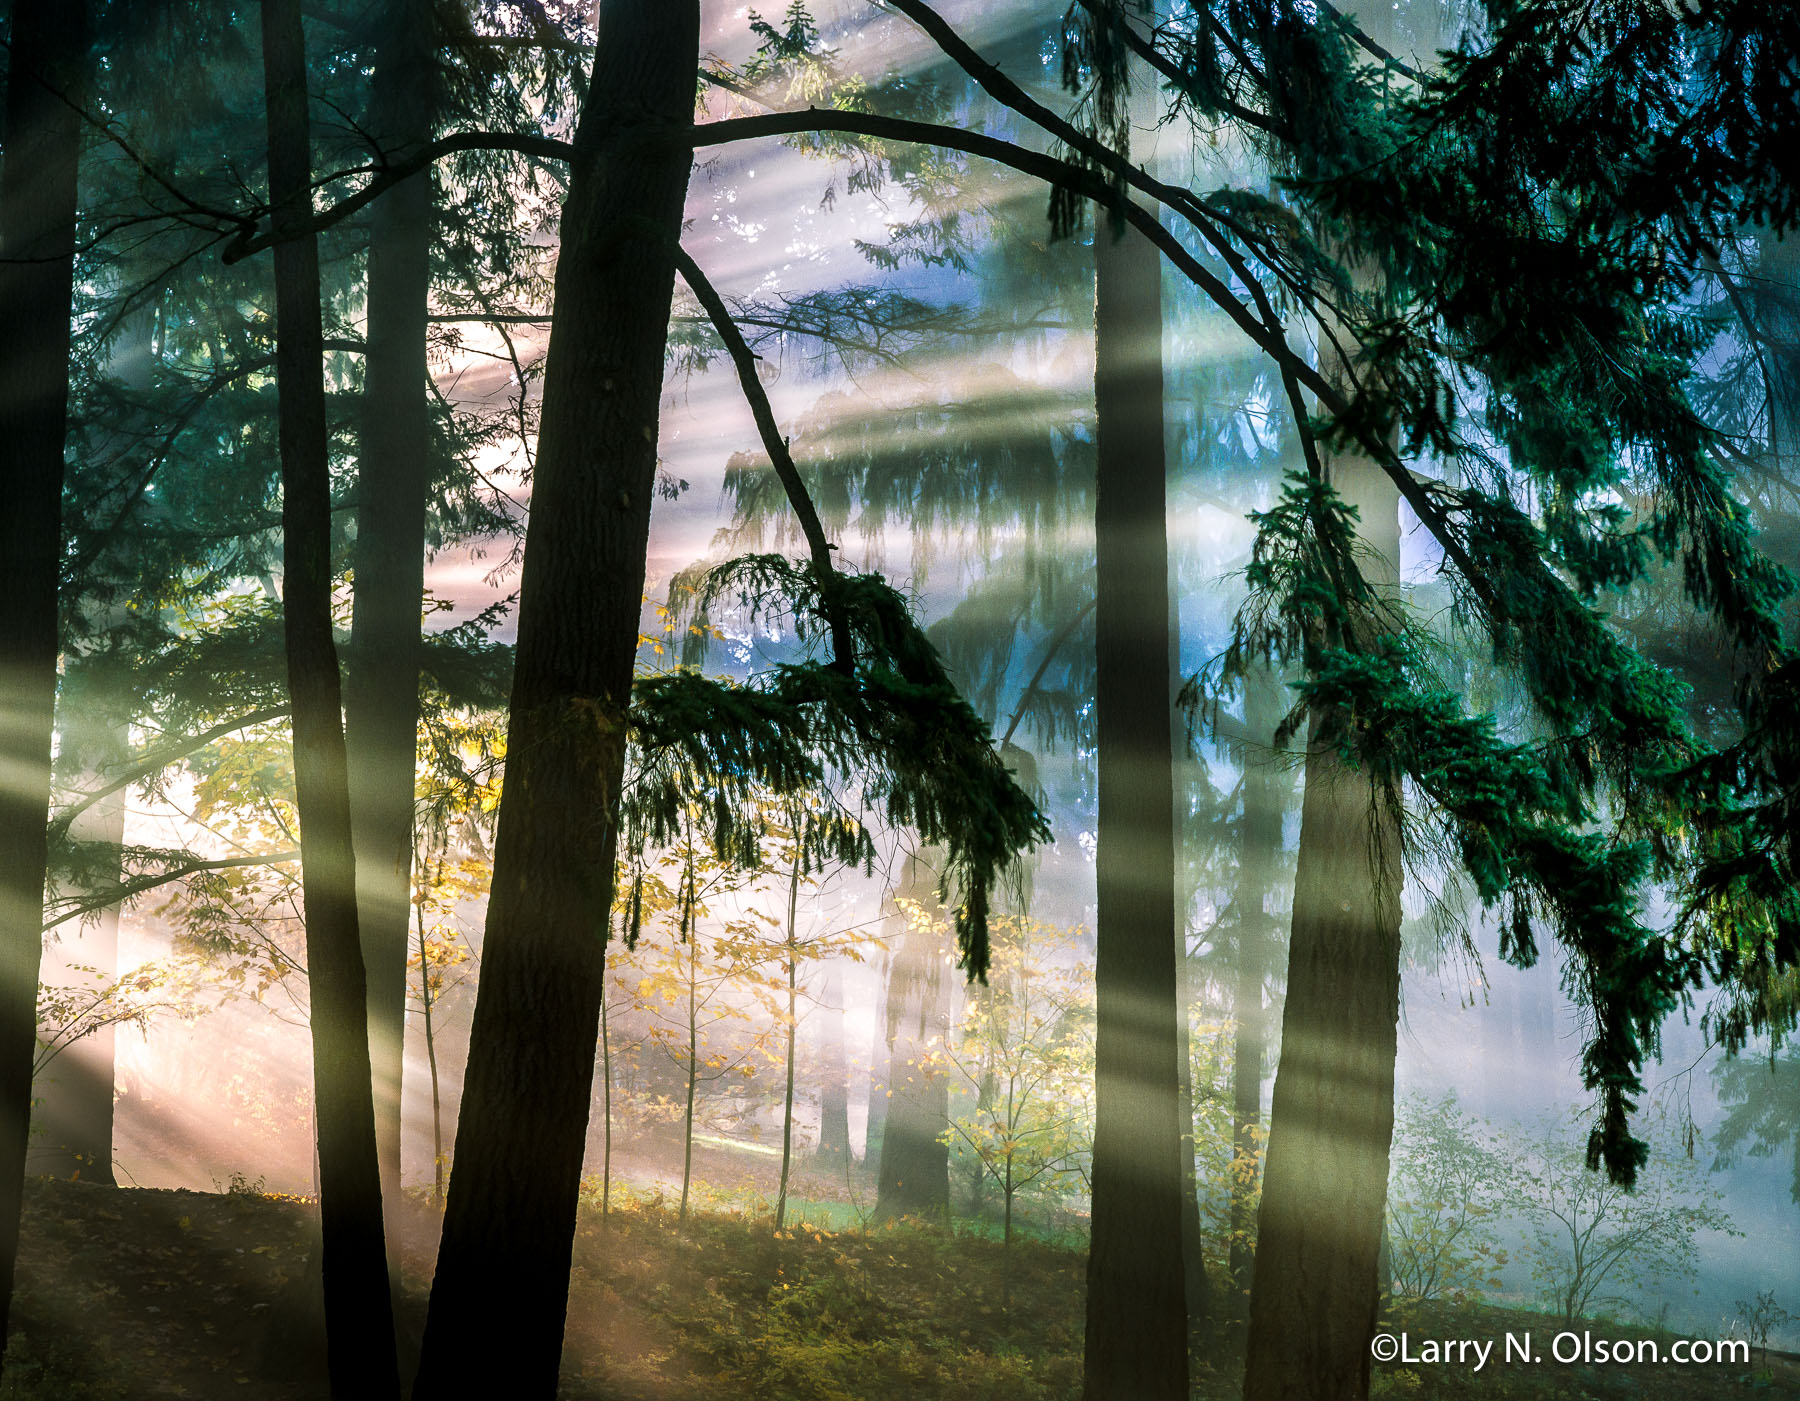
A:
(73, 1120)
(381, 691)
(359, 1322)
(1314, 1299)
(501, 1294)
(834, 1090)
(793, 1025)
(1266, 788)
(42, 142)
(1137, 1322)
(915, 1161)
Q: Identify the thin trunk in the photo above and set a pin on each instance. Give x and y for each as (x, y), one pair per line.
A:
(915, 1159)
(605, 1113)
(1188, 777)
(787, 1112)
(42, 142)
(1193, 1258)
(381, 692)
(437, 1110)
(1314, 1299)
(1137, 1325)
(1006, 1241)
(359, 1321)
(500, 1297)
(1266, 789)
(834, 1094)
(693, 1070)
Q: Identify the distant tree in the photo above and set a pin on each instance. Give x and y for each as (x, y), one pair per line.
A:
(1761, 1096)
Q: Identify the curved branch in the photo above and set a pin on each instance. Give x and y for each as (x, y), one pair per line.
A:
(831, 602)
(1050, 651)
(131, 889)
(155, 759)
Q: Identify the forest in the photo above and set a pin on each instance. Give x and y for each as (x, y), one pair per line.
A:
(899, 699)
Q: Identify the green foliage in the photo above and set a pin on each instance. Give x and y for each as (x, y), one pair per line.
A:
(1595, 1241)
(1448, 1189)
(897, 724)
(1023, 1059)
(1761, 1097)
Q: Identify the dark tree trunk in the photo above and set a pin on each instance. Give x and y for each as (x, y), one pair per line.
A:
(381, 691)
(834, 1091)
(1136, 1301)
(42, 144)
(359, 1322)
(1314, 1299)
(72, 1123)
(1267, 784)
(498, 1304)
(915, 1160)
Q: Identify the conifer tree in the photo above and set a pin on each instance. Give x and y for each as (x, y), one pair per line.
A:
(41, 138)
(359, 1321)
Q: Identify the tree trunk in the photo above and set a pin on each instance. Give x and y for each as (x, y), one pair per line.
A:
(693, 1070)
(501, 1294)
(915, 1160)
(428, 1003)
(42, 142)
(1313, 1303)
(606, 1122)
(381, 692)
(1266, 787)
(787, 1108)
(72, 1123)
(834, 1092)
(359, 1321)
(1137, 1322)
(1193, 1258)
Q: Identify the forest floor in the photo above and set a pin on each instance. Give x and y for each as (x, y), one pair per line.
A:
(128, 1293)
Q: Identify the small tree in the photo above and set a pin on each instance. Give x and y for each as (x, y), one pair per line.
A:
(1762, 1316)
(1445, 1196)
(1593, 1238)
(1025, 1054)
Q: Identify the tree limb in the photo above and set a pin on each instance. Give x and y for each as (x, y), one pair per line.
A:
(843, 649)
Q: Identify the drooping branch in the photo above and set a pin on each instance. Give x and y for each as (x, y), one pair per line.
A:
(1051, 649)
(154, 760)
(138, 885)
(830, 601)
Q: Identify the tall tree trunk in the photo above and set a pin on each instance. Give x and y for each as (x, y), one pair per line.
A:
(381, 692)
(875, 1122)
(834, 1092)
(915, 1160)
(1193, 1258)
(429, 1004)
(42, 144)
(359, 1321)
(606, 1114)
(793, 1023)
(1266, 787)
(72, 1124)
(1314, 1299)
(1137, 1322)
(501, 1294)
(693, 1068)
